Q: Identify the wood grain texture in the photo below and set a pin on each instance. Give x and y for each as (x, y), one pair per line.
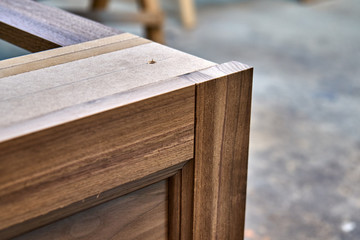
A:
(59, 166)
(67, 54)
(90, 202)
(187, 200)
(37, 27)
(69, 91)
(221, 150)
(181, 199)
(174, 206)
(139, 215)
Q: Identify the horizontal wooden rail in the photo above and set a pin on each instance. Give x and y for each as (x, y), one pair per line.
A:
(37, 27)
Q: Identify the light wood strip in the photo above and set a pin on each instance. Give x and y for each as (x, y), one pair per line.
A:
(223, 103)
(67, 54)
(138, 215)
(38, 27)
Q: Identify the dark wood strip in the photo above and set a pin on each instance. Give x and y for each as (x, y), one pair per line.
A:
(221, 150)
(187, 200)
(174, 206)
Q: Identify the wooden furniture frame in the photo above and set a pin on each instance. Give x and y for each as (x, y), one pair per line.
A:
(121, 125)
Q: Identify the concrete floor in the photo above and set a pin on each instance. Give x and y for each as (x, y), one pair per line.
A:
(304, 171)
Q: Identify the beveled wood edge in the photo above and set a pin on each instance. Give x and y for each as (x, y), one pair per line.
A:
(216, 71)
(35, 61)
(90, 202)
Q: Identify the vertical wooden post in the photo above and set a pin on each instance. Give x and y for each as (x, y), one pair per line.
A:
(99, 4)
(188, 13)
(181, 198)
(221, 151)
(153, 32)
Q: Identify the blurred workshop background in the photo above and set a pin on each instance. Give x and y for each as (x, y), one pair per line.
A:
(304, 166)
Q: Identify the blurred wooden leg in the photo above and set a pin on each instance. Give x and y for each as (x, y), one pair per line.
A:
(154, 32)
(99, 4)
(188, 13)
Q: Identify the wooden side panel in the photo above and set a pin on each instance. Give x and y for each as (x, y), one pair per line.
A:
(138, 215)
(221, 151)
(37, 27)
(57, 167)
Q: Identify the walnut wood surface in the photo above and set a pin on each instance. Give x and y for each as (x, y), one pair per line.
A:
(121, 142)
(181, 200)
(221, 150)
(77, 89)
(56, 167)
(139, 215)
(37, 27)
(174, 206)
(89, 123)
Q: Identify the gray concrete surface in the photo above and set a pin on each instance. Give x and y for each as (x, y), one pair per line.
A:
(304, 171)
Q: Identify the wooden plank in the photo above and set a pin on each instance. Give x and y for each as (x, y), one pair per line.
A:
(37, 27)
(62, 93)
(138, 215)
(59, 166)
(223, 102)
(24, 39)
(67, 54)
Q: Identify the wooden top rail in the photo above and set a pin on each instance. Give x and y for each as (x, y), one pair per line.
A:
(64, 92)
(36, 27)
